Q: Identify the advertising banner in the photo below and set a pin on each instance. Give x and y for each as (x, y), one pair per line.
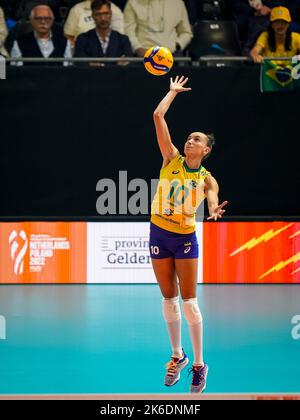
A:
(119, 253)
(251, 252)
(33, 252)
(229, 252)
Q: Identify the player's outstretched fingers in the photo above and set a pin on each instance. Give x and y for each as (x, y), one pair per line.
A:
(223, 204)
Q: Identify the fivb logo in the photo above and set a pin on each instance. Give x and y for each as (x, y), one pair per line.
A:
(17, 250)
(2, 67)
(2, 328)
(296, 68)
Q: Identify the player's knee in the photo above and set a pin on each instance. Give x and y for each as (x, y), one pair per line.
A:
(191, 311)
(171, 309)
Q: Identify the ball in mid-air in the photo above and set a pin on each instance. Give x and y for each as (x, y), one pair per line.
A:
(158, 60)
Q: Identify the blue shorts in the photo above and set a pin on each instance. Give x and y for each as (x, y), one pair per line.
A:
(165, 244)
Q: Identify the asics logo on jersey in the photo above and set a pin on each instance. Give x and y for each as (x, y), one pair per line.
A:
(187, 250)
(168, 212)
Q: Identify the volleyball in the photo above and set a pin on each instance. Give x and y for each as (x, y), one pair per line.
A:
(158, 60)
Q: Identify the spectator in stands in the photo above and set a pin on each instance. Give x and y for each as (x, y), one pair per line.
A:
(3, 33)
(278, 40)
(43, 41)
(80, 20)
(252, 17)
(19, 13)
(102, 41)
(160, 22)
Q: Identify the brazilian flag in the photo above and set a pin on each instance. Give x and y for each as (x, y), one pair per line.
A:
(278, 78)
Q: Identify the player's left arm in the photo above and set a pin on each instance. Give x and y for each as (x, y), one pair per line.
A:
(212, 193)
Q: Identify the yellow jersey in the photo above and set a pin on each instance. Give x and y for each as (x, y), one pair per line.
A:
(179, 193)
(263, 42)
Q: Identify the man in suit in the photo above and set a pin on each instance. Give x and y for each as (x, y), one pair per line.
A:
(102, 41)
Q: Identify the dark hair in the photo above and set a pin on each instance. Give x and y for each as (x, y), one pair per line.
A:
(96, 4)
(272, 41)
(210, 143)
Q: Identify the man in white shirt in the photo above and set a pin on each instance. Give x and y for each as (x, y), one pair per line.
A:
(157, 22)
(43, 41)
(80, 20)
(3, 33)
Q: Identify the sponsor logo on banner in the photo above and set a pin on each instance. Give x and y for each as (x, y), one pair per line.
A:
(125, 252)
(38, 252)
(41, 247)
(17, 250)
(119, 253)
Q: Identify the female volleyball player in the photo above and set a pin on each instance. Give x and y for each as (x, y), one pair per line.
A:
(183, 184)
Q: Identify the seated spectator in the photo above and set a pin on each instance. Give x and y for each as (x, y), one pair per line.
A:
(3, 33)
(43, 41)
(102, 41)
(252, 17)
(278, 40)
(163, 22)
(80, 20)
(19, 14)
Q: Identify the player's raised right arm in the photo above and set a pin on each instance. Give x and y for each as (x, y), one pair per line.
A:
(168, 150)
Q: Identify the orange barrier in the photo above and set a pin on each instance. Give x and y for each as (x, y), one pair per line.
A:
(43, 252)
(251, 252)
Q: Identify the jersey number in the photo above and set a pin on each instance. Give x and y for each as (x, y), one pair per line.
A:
(176, 189)
(154, 250)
